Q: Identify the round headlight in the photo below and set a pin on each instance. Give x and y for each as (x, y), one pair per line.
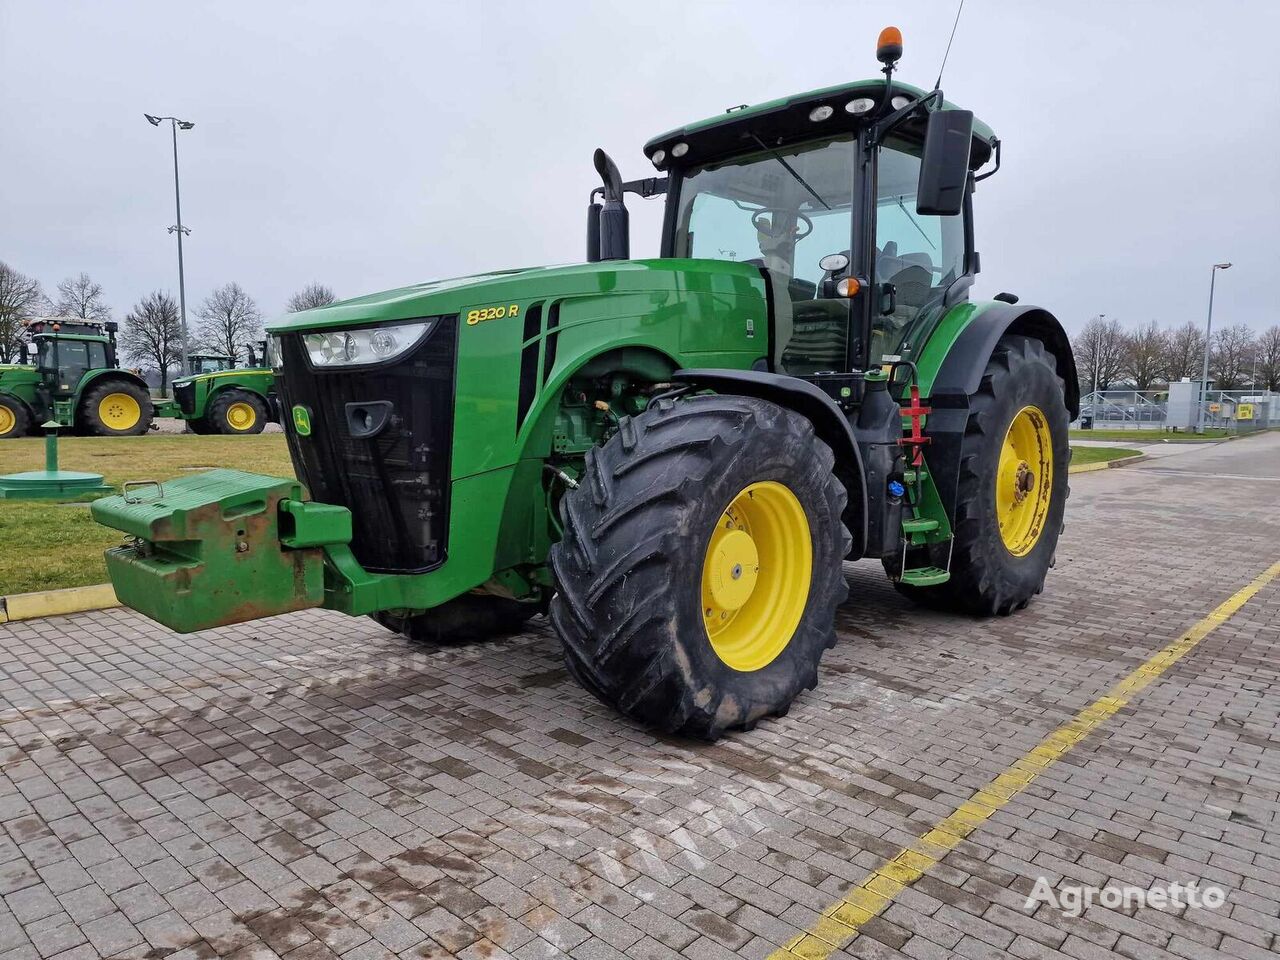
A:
(860, 106)
(680, 149)
(658, 157)
(899, 102)
(383, 342)
(818, 114)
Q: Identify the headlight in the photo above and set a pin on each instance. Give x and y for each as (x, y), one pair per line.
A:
(342, 348)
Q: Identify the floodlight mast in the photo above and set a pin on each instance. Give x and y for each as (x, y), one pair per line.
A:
(175, 125)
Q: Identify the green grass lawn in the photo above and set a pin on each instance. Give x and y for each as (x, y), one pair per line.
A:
(1082, 455)
(1151, 436)
(44, 546)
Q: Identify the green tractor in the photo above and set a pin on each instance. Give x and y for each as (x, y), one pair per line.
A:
(69, 375)
(219, 397)
(672, 456)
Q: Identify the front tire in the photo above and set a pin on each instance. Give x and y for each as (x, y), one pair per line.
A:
(700, 568)
(237, 413)
(1013, 486)
(116, 408)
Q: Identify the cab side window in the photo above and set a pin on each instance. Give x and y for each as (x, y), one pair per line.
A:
(917, 256)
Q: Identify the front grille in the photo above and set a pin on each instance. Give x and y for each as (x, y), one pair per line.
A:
(396, 484)
(185, 394)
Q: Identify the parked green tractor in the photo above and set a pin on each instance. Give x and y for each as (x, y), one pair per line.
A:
(69, 375)
(673, 456)
(219, 397)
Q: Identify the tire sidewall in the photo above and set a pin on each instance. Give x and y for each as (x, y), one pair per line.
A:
(223, 401)
(99, 391)
(21, 418)
(1034, 384)
(764, 459)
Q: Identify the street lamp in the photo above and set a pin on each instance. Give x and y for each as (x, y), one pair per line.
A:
(175, 125)
(1208, 333)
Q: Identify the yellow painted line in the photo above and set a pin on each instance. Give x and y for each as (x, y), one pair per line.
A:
(53, 603)
(1088, 467)
(841, 922)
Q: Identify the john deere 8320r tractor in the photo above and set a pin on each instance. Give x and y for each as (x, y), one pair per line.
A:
(674, 455)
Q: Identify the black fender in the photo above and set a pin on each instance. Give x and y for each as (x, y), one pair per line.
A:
(829, 423)
(960, 376)
(961, 371)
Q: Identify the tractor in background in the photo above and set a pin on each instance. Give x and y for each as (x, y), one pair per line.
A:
(219, 397)
(70, 375)
(672, 456)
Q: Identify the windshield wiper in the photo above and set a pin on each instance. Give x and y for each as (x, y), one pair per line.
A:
(786, 166)
(915, 224)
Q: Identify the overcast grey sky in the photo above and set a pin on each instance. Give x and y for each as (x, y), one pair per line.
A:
(369, 145)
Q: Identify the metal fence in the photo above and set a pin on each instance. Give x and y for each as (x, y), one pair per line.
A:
(1235, 411)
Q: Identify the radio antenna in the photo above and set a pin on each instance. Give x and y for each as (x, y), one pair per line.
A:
(938, 83)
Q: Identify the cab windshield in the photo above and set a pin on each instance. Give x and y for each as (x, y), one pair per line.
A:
(783, 210)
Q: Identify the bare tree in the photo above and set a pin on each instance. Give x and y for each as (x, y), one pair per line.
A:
(1268, 347)
(1231, 357)
(312, 295)
(229, 319)
(152, 334)
(1184, 353)
(20, 299)
(1100, 353)
(1144, 355)
(81, 297)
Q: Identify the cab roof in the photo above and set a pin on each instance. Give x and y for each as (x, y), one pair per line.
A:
(786, 120)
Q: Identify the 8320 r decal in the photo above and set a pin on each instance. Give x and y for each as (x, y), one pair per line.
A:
(492, 313)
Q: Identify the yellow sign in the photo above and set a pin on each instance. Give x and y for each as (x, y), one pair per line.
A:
(1244, 411)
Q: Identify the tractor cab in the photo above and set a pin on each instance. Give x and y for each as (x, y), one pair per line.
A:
(854, 200)
(64, 349)
(198, 363)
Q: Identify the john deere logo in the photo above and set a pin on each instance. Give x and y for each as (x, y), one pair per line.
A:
(302, 420)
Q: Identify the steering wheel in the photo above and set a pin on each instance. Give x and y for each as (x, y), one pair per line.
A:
(766, 226)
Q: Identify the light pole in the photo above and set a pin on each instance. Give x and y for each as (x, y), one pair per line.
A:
(1097, 351)
(1208, 334)
(175, 125)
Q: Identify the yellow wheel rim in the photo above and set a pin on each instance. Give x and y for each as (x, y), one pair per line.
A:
(7, 421)
(756, 576)
(1024, 483)
(241, 416)
(119, 411)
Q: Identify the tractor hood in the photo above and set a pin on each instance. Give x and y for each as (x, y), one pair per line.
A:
(443, 297)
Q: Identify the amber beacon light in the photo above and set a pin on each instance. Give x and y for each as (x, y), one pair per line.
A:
(889, 46)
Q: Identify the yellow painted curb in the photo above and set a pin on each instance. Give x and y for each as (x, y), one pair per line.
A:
(53, 603)
(1106, 464)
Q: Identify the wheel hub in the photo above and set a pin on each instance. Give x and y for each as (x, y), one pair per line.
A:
(1024, 480)
(733, 565)
(756, 576)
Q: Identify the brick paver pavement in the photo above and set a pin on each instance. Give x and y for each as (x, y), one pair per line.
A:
(311, 786)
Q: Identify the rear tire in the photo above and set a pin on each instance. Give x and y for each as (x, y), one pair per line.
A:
(14, 419)
(237, 413)
(465, 619)
(988, 575)
(116, 408)
(647, 573)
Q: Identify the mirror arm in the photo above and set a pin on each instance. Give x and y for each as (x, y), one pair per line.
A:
(996, 145)
(649, 187)
(932, 100)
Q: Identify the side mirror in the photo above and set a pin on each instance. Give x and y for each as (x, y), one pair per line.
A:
(944, 167)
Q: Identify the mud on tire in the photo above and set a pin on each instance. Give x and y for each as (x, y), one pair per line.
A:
(986, 579)
(629, 608)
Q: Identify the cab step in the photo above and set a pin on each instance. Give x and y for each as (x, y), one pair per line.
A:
(925, 576)
(919, 525)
